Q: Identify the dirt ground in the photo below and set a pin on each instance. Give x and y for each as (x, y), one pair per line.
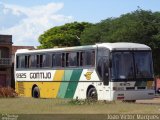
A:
(155, 101)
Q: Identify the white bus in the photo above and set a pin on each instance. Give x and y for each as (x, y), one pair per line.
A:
(105, 71)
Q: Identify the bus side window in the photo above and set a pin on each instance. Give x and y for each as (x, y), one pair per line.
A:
(46, 60)
(88, 55)
(56, 60)
(63, 59)
(73, 59)
(42, 60)
(93, 58)
(99, 67)
(82, 58)
(32, 61)
(105, 71)
(22, 61)
(17, 61)
(77, 59)
(27, 61)
(53, 60)
(103, 65)
(90, 58)
(39, 60)
(67, 59)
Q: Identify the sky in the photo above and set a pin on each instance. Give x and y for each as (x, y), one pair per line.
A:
(25, 20)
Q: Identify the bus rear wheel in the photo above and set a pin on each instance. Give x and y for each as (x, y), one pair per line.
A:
(92, 94)
(158, 91)
(36, 92)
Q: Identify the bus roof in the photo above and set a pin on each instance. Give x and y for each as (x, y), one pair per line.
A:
(110, 46)
(125, 46)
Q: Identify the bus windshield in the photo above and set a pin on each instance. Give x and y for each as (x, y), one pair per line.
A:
(143, 64)
(122, 65)
(128, 65)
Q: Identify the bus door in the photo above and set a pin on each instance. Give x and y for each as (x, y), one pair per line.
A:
(103, 69)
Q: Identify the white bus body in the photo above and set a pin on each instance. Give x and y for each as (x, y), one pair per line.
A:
(105, 71)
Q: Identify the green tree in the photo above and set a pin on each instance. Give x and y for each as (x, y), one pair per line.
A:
(139, 26)
(65, 35)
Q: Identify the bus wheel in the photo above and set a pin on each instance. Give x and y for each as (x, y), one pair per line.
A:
(92, 94)
(36, 92)
(158, 91)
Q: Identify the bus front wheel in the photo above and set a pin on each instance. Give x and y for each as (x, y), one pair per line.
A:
(36, 92)
(92, 94)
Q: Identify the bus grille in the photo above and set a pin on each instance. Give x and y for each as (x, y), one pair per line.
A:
(21, 88)
(130, 88)
(141, 88)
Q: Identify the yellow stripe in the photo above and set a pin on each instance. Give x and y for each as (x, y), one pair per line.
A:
(57, 77)
(47, 89)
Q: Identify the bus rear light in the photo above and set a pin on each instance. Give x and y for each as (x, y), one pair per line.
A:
(120, 98)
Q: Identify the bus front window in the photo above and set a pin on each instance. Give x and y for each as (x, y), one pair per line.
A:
(143, 64)
(122, 65)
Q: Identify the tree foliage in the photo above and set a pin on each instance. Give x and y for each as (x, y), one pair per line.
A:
(139, 26)
(65, 35)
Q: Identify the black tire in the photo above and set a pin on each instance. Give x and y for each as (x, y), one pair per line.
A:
(36, 92)
(158, 91)
(92, 94)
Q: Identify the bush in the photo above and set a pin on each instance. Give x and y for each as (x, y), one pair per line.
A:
(89, 102)
(6, 92)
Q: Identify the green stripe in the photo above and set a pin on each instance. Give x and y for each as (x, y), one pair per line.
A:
(73, 85)
(64, 85)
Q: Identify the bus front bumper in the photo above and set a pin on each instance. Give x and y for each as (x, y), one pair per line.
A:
(133, 95)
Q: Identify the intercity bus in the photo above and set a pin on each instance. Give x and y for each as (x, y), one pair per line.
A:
(104, 71)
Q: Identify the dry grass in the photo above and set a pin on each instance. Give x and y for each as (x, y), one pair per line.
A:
(65, 106)
(6, 92)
